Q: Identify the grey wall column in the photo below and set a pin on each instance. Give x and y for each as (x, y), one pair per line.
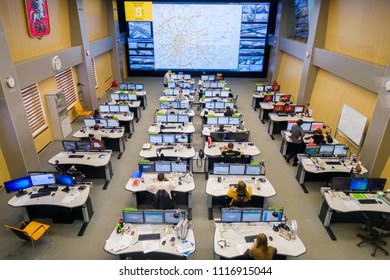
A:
(79, 36)
(16, 140)
(113, 30)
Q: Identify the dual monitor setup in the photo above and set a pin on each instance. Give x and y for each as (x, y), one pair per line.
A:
(358, 184)
(180, 77)
(230, 136)
(306, 126)
(179, 84)
(157, 139)
(163, 166)
(276, 97)
(82, 146)
(123, 96)
(211, 78)
(153, 216)
(218, 105)
(173, 118)
(218, 84)
(250, 215)
(212, 120)
(289, 109)
(105, 123)
(264, 88)
(237, 169)
(338, 150)
(209, 93)
(176, 104)
(103, 108)
(174, 92)
(131, 87)
(38, 179)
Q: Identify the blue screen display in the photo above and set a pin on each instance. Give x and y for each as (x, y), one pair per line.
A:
(18, 184)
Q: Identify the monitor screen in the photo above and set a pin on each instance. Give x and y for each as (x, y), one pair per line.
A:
(101, 122)
(213, 85)
(174, 76)
(268, 97)
(211, 77)
(251, 215)
(169, 138)
(225, 93)
(42, 179)
(208, 93)
(206, 84)
(133, 97)
(123, 97)
(162, 166)
(183, 118)
(124, 109)
(326, 150)
(259, 88)
(376, 184)
(180, 167)
(133, 217)
(299, 108)
(123, 86)
(97, 145)
(186, 92)
(114, 108)
(220, 84)
(237, 169)
(89, 122)
(154, 217)
(358, 184)
(220, 105)
(168, 92)
(155, 138)
(186, 85)
(289, 109)
(181, 138)
(171, 84)
(229, 215)
(130, 87)
(204, 77)
(69, 145)
(139, 87)
(212, 120)
(169, 216)
(306, 126)
(187, 76)
(112, 123)
(276, 97)
(252, 169)
(172, 118)
(278, 108)
(83, 145)
(312, 150)
(18, 185)
(290, 125)
(268, 88)
(104, 108)
(234, 120)
(221, 169)
(176, 91)
(315, 125)
(217, 136)
(272, 215)
(340, 183)
(115, 96)
(223, 120)
(64, 179)
(146, 166)
(161, 118)
(184, 104)
(340, 150)
(165, 105)
(236, 137)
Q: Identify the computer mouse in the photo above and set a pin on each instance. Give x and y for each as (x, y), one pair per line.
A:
(102, 156)
(380, 202)
(270, 238)
(164, 242)
(262, 180)
(88, 157)
(53, 194)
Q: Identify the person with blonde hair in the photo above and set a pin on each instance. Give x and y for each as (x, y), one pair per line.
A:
(240, 195)
(260, 249)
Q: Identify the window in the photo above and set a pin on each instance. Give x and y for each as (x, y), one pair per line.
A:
(65, 81)
(94, 73)
(34, 109)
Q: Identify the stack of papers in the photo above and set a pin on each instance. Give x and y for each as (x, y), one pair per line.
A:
(307, 161)
(118, 243)
(185, 247)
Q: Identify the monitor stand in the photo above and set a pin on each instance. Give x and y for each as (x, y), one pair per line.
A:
(66, 189)
(21, 193)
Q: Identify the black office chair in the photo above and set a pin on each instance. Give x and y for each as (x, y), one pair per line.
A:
(378, 228)
(162, 200)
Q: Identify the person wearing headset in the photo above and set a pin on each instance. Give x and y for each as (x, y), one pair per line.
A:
(240, 194)
(181, 96)
(228, 111)
(229, 151)
(161, 183)
(260, 249)
(318, 137)
(97, 133)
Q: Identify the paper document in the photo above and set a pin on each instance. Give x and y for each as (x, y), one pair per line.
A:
(307, 161)
(150, 245)
(241, 248)
(219, 186)
(352, 204)
(22, 199)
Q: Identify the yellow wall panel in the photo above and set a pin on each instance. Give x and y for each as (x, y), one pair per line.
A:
(96, 19)
(289, 76)
(360, 28)
(4, 173)
(386, 174)
(104, 73)
(21, 45)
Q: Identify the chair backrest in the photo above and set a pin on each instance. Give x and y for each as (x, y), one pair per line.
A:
(18, 232)
(162, 200)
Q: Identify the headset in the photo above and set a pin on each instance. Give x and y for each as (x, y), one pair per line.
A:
(223, 243)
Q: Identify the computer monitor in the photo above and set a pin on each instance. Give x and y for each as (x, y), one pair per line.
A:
(89, 122)
(340, 150)
(64, 179)
(229, 215)
(326, 150)
(358, 184)
(272, 215)
(220, 105)
(132, 97)
(171, 84)
(206, 84)
(104, 108)
(180, 167)
(97, 145)
(173, 217)
(204, 77)
(278, 108)
(146, 166)
(299, 109)
(225, 93)
(259, 88)
(306, 126)
(340, 183)
(153, 217)
(217, 136)
(114, 96)
(165, 105)
(69, 145)
(183, 118)
(223, 120)
(184, 104)
(187, 76)
(376, 184)
(124, 109)
(251, 169)
(186, 91)
(172, 118)
(161, 118)
(290, 125)
(83, 145)
(213, 84)
(112, 123)
(169, 138)
(277, 97)
(268, 88)
(289, 109)
(122, 86)
(208, 93)
(234, 120)
(211, 77)
(133, 216)
(123, 97)
(221, 169)
(176, 91)
(114, 108)
(162, 166)
(130, 87)
(251, 215)
(268, 98)
(312, 150)
(186, 85)
(315, 125)
(181, 138)
(139, 87)
(174, 76)
(155, 138)
(18, 185)
(42, 179)
(237, 169)
(236, 137)
(168, 92)
(212, 120)
(221, 84)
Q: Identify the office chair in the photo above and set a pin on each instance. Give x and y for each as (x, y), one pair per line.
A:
(80, 110)
(162, 200)
(31, 231)
(378, 228)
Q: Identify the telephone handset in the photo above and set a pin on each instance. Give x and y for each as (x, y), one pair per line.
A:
(201, 153)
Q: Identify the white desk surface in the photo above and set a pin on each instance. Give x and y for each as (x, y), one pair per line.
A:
(235, 233)
(73, 198)
(258, 94)
(219, 99)
(314, 164)
(287, 135)
(170, 98)
(183, 153)
(95, 159)
(139, 93)
(189, 128)
(267, 105)
(131, 103)
(215, 151)
(207, 129)
(148, 180)
(352, 205)
(219, 113)
(189, 112)
(137, 246)
(120, 116)
(112, 132)
(276, 118)
(214, 188)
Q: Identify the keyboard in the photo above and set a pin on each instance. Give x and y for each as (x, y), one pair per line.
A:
(250, 238)
(75, 156)
(333, 162)
(150, 236)
(282, 114)
(367, 201)
(307, 138)
(167, 148)
(39, 194)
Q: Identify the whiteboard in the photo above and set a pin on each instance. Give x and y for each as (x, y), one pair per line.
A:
(352, 124)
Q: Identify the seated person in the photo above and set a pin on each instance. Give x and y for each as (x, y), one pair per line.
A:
(260, 249)
(97, 133)
(281, 102)
(171, 110)
(318, 137)
(228, 151)
(221, 127)
(181, 96)
(161, 183)
(96, 114)
(228, 111)
(240, 195)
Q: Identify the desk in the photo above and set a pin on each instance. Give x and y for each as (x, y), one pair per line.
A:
(62, 206)
(208, 129)
(216, 190)
(169, 98)
(265, 109)
(114, 141)
(174, 128)
(257, 97)
(346, 210)
(125, 120)
(93, 164)
(278, 123)
(190, 112)
(286, 144)
(136, 251)
(141, 96)
(181, 195)
(234, 234)
(316, 169)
